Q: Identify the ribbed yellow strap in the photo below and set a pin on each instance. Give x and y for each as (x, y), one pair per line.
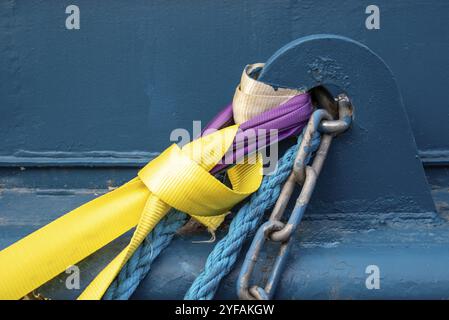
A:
(39, 257)
(176, 180)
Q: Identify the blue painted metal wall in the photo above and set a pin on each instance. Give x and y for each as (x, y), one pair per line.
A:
(80, 109)
(111, 92)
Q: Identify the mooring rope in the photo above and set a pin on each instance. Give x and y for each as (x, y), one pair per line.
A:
(219, 261)
(139, 264)
(224, 255)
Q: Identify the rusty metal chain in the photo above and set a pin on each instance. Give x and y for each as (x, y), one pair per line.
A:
(321, 122)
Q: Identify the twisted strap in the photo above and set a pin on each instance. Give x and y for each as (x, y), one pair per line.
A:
(221, 259)
(224, 255)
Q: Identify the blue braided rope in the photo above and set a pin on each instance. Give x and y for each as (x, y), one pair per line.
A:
(225, 253)
(139, 264)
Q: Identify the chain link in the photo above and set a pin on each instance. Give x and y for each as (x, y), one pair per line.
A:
(322, 127)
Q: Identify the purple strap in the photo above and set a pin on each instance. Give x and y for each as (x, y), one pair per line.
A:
(288, 119)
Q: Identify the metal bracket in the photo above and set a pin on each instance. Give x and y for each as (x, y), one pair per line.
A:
(374, 167)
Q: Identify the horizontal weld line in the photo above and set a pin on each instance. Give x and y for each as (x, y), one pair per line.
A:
(91, 161)
(138, 159)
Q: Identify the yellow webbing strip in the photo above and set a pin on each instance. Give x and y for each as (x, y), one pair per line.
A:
(42, 255)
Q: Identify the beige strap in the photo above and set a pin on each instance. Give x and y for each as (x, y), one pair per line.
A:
(252, 97)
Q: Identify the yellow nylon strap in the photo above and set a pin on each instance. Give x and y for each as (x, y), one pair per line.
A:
(39, 257)
(193, 196)
(42, 255)
(176, 180)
